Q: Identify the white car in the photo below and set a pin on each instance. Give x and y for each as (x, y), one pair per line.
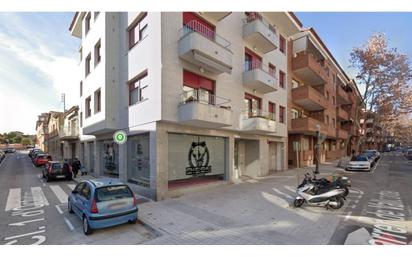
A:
(359, 162)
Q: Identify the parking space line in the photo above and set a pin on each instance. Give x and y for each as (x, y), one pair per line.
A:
(69, 224)
(13, 199)
(58, 209)
(60, 194)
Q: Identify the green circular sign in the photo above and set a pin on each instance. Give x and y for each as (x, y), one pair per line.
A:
(120, 137)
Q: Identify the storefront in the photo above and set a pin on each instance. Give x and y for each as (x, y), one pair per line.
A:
(194, 159)
(138, 166)
(110, 158)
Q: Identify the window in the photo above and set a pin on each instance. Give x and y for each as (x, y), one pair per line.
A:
(272, 110)
(281, 79)
(295, 84)
(281, 114)
(95, 15)
(327, 119)
(198, 88)
(85, 192)
(282, 44)
(137, 88)
(97, 56)
(137, 30)
(81, 119)
(88, 109)
(87, 22)
(333, 123)
(334, 79)
(81, 88)
(327, 95)
(97, 101)
(252, 60)
(81, 53)
(87, 64)
(253, 105)
(272, 70)
(333, 100)
(295, 114)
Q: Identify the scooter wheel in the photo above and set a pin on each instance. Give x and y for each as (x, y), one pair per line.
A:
(298, 202)
(346, 192)
(340, 202)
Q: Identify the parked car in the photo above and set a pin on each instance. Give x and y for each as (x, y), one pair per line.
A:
(372, 158)
(2, 155)
(376, 155)
(34, 155)
(101, 203)
(9, 150)
(57, 170)
(408, 154)
(42, 159)
(359, 162)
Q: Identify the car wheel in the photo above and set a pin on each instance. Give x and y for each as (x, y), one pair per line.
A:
(132, 221)
(346, 192)
(86, 227)
(69, 207)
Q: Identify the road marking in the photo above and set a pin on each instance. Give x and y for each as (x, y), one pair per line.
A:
(353, 206)
(348, 215)
(13, 199)
(60, 194)
(23, 223)
(59, 210)
(38, 196)
(72, 186)
(281, 193)
(28, 234)
(39, 175)
(68, 224)
(291, 189)
(356, 201)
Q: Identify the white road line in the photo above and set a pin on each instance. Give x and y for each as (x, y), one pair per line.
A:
(281, 193)
(348, 215)
(39, 175)
(354, 206)
(69, 224)
(13, 199)
(72, 186)
(60, 194)
(58, 209)
(38, 196)
(356, 201)
(291, 189)
(28, 234)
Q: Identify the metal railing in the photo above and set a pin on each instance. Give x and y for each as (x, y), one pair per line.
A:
(253, 16)
(257, 64)
(69, 132)
(195, 26)
(258, 113)
(203, 96)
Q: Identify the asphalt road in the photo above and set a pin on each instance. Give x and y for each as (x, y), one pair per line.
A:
(35, 212)
(382, 212)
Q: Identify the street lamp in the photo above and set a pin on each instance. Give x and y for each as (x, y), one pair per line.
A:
(317, 148)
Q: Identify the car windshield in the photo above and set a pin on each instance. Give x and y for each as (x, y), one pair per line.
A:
(359, 158)
(113, 192)
(56, 166)
(369, 152)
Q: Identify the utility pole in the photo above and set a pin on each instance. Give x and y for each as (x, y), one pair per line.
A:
(317, 148)
(63, 100)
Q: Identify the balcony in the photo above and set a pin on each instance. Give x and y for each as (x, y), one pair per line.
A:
(208, 111)
(341, 114)
(204, 48)
(309, 69)
(258, 121)
(342, 96)
(69, 133)
(259, 77)
(342, 134)
(215, 16)
(260, 34)
(307, 126)
(309, 98)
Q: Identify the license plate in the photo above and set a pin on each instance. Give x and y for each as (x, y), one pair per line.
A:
(60, 176)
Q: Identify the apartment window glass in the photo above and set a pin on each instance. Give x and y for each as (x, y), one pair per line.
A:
(97, 101)
(333, 100)
(138, 30)
(327, 95)
(81, 119)
(281, 114)
(295, 114)
(282, 79)
(272, 110)
(327, 119)
(87, 64)
(252, 105)
(272, 70)
(137, 88)
(295, 84)
(88, 107)
(197, 88)
(282, 44)
(81, 88)
(97, 56)
(138, 171)
(252, 60)
(333, 122)
(87, 22)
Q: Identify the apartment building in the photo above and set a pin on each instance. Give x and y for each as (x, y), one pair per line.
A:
(202, 96)
(321, 98)
(42, 131)
(55, 125)
(69, 134)
(374, 134)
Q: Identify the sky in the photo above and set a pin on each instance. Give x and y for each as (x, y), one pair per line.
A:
(39, 58)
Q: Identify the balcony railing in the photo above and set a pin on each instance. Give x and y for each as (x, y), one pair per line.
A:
(197, 95)
(257, 64)
(195, 26)
(257, 113)
(257, 16)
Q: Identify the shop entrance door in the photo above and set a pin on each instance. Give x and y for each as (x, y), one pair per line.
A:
(272, 156)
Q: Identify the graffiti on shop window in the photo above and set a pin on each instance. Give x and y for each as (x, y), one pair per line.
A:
(109, 158)
(198, 159)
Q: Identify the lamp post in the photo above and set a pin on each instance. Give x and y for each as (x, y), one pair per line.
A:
(317, 148)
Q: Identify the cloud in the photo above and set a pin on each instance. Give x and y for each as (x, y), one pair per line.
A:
(37, 64)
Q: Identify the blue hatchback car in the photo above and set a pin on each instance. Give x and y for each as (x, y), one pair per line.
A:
(102, 203)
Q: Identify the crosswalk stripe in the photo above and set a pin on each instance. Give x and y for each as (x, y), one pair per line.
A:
(284, 194)
(13, 199)
(38, 196)
(60, 194)
(291, 189)
(72, 186)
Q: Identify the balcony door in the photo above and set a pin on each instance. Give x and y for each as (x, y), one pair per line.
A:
(252, 60)
(198, 88)
(252, 105)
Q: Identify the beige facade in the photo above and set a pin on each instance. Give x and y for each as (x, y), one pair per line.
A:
(42, 132)
(55, 125)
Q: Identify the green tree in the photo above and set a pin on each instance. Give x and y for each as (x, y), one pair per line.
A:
(26, 141)
(17, 140)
